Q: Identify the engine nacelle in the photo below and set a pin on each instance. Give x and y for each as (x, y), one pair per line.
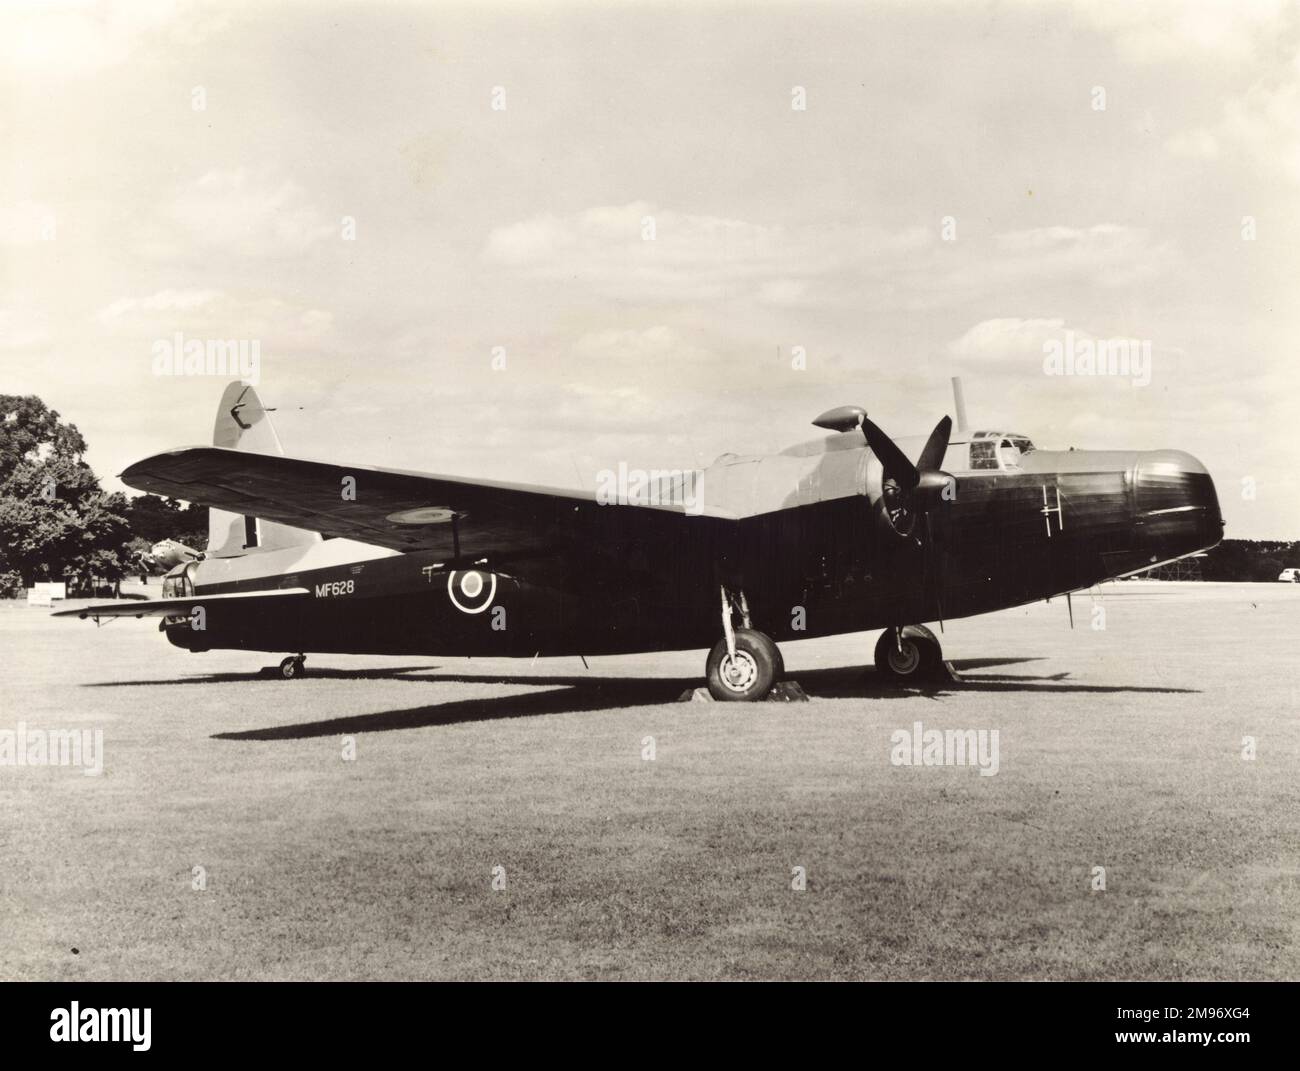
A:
(169, 554)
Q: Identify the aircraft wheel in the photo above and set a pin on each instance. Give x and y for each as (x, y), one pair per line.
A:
(917, 657)
(750, 675)
(293, 668)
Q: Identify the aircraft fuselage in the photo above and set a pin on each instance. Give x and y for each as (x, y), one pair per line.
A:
(1059, 522)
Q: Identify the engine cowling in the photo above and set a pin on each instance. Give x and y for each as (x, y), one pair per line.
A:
(168, 554)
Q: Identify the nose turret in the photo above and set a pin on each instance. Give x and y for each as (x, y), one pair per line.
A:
(1177, 510)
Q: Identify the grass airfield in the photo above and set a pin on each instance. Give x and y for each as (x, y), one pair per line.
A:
(1119, 747)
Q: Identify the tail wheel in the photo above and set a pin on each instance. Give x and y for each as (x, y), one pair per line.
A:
(916, 655)
(292, 668)
(747, 676)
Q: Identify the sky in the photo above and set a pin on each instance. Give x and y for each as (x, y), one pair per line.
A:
(530, 241)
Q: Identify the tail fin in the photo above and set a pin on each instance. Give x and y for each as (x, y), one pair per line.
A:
(243, 423)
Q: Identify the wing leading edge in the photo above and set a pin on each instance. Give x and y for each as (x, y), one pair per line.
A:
(400, 510)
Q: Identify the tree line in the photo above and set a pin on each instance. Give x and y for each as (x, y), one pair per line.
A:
(57, 523)
(1250, 559)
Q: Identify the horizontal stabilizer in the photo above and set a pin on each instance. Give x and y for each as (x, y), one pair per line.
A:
(181, 607)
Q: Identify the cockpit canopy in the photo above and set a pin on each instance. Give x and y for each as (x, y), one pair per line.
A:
(179, 581)
(998, 449)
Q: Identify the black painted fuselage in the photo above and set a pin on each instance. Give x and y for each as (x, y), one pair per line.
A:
(1060, 522)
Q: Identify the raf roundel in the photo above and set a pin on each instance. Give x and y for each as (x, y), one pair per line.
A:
(468, 593)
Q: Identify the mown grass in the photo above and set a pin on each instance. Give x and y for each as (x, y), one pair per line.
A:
(1119, 749)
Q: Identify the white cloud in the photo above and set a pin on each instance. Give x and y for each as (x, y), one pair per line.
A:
(1105, 254)
(1010, 349)
(237, 212)
(657, 344)
(164, 301)
(1008, 338)
(216, 314)
(1022, 263)
(689, 258)
(1260, 125)
(1158, 31)
(530, 242)
(1252, 44)
(1264, 123)
(694, 259)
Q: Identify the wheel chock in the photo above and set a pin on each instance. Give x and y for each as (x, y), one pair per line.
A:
(781, 692)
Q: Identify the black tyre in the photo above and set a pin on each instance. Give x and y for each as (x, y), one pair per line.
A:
(916, 657)
(750, 675)
(292, 668)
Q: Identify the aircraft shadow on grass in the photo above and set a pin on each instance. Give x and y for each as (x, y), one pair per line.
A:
(579, 694)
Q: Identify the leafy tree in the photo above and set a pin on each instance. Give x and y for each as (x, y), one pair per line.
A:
(153, 518)
(1249, 559)
(55, 520)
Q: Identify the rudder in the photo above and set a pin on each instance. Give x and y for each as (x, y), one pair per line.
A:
(244, 423)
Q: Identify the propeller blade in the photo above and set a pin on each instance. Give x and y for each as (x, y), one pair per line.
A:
(924, 484)
(935, 446)
(890, 456)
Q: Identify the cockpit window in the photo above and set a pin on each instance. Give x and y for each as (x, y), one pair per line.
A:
(998, 449)
(982, 455)
(179, 583)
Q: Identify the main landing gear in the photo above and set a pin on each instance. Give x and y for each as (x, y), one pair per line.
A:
(909, 654)
(294, 667)
(745, 663)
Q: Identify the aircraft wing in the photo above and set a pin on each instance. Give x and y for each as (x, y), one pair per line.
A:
(386, 507)
(177, 607)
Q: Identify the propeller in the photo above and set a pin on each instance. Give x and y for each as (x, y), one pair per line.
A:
(923, 482)
(920, 487)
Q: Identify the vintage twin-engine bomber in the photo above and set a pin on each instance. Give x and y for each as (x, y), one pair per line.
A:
(850, 532)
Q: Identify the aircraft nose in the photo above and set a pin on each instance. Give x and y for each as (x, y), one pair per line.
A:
(1177, 507)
